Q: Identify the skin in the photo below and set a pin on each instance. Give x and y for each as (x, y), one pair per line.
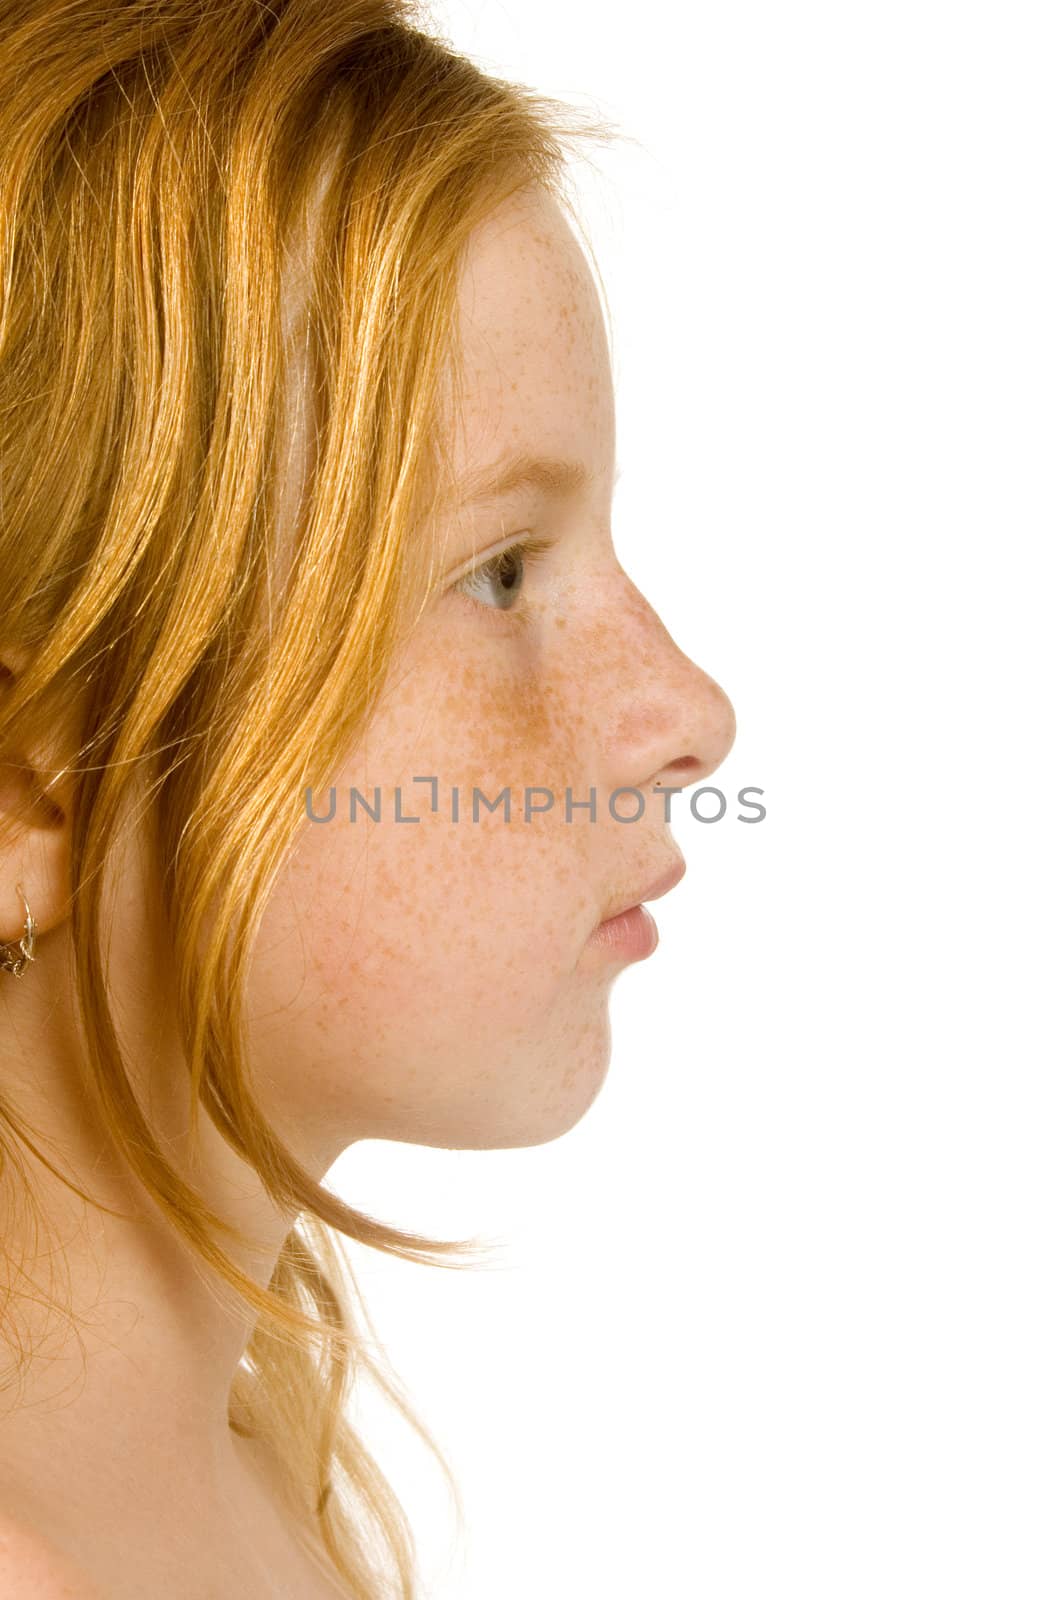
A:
(430, 983)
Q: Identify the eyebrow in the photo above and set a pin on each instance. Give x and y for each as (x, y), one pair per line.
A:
(549, 474)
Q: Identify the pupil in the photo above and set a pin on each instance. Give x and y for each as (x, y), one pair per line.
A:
(509, 569)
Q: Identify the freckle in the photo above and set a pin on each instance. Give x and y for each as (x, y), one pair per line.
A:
(559, 622)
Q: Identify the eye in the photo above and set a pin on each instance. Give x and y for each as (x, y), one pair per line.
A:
(502, 578)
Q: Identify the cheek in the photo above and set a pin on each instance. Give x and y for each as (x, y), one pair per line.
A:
(429, 962)
(459, 922)
(435, 998)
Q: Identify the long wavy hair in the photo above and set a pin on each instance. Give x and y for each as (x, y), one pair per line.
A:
(176, 176)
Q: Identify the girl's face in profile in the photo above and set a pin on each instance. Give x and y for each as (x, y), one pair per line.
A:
(432, 982)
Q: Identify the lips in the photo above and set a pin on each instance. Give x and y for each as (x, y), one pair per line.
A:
(653, 890)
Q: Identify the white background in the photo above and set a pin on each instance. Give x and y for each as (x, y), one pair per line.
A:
(783, 1315)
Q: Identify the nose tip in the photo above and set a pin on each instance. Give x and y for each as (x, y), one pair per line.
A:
(669, 720)
(725, 734)
(711, 739)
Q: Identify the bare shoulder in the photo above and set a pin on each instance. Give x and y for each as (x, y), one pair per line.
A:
(31, 1565)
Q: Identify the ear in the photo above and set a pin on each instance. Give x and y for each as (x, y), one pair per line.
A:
(36, 797)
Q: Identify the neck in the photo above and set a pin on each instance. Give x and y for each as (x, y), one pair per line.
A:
(117, 1349)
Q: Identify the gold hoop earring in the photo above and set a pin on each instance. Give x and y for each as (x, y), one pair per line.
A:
(15, 957)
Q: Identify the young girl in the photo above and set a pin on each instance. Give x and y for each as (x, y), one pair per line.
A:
(306, 466)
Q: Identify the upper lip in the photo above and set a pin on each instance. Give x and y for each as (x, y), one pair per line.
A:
(652, 891)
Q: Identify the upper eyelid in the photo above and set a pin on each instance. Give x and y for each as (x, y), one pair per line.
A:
(517, 492)
(484, 557)
(533, 548)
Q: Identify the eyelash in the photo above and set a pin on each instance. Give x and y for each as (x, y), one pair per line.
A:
(528, 550)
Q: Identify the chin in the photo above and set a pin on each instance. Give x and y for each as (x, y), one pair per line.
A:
(531, 1099)
(577, 1077)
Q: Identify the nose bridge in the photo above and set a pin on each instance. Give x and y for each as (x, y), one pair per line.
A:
(663, 717)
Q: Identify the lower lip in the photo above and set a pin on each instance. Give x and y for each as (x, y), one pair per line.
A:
(630, 937)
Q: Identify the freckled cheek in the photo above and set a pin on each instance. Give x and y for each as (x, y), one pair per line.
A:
(475, 694)
(439, 919)
(417, 909)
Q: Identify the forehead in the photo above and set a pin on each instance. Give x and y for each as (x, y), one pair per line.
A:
(533, 378)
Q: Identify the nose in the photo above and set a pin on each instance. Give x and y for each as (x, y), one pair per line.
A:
(666, 721)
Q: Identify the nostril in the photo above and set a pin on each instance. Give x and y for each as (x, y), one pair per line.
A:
(684, 770)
